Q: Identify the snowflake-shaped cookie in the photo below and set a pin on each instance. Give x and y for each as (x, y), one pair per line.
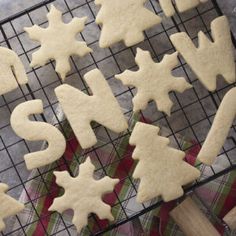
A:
(58, 41)
(83, 194)
(154, 81)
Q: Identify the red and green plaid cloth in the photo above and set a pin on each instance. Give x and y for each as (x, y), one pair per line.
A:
(219, 195)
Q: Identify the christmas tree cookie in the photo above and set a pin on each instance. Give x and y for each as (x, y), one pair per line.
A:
(124, 20)
(161, 169)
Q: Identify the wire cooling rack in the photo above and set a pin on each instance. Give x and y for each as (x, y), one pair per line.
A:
(191, 117)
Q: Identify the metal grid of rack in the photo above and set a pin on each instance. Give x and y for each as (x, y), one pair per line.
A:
(192, 114)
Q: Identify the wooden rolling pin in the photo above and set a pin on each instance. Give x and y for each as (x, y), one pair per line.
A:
(191, 220)
(230, 219)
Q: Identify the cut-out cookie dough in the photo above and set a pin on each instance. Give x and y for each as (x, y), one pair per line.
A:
(161, 169)
(209, 59)
(83, 194)
(12, 71)
(182, 5)
(124, 20)
(58, 41)
(8, 205)
(36, 131)
(154, 81)
(81, 109)
(220, 128)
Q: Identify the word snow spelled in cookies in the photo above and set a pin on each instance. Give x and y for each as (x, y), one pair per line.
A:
(81, 109)
(83, 194)
(124, 20)
(209, 59)
(58, 41)
(220, 128)
(12, 71)
(8, 205)
(154, 81)
(161, 169)
(37, 131)
(182, 5)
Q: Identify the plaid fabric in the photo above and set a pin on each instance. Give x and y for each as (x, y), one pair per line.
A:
(218, 195)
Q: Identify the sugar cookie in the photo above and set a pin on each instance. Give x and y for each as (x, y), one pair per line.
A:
(83, 194)
(58, 41)
(8, 205)
(185, 5)
(167, 7)
(209, 59)
(124, 20)
(161, 169)
(12, 71)
(81, 109)
(35, 131)
(220, 128)
(182, 5)
(154, 81)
